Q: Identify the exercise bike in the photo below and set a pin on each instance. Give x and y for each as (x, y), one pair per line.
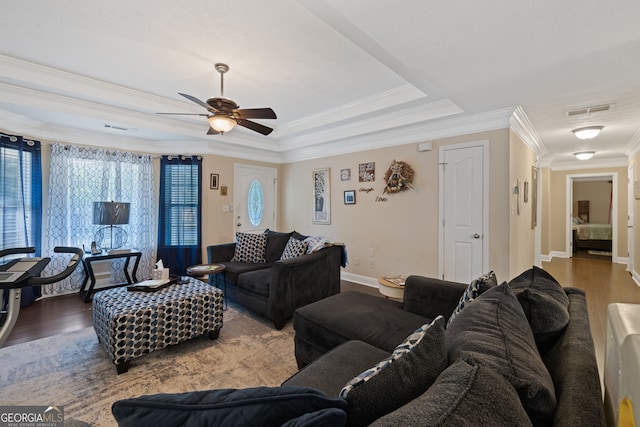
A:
(24, 272)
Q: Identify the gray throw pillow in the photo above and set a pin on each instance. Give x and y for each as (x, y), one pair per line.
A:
(494, 331)
(263, 406)
(294, 248)
(465, 394)
(250, 247)
(395, 381)
(545, 303)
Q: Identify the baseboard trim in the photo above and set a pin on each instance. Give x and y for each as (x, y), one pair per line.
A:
(359, 279)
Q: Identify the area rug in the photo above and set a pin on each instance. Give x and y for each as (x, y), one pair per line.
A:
(74, 370)
(603, 253)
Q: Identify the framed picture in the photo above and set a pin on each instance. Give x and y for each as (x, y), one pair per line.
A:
(534, 197)
(345, 174)
(367, 172)
(223, 190)
(350, 197)
(321, 196)
(214, 181)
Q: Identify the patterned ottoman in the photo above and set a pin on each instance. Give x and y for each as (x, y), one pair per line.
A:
(131, 324)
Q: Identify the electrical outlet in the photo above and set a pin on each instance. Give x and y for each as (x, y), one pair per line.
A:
(356, 260)
(372, 263)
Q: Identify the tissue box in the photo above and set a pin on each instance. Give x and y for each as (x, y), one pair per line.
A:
(160, 274)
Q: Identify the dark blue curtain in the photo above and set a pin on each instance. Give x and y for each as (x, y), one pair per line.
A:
(21, 198)
(180, 213)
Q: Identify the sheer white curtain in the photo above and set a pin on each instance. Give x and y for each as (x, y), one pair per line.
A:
(80, 176)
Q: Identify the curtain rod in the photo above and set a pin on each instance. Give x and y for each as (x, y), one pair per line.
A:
(14, 136)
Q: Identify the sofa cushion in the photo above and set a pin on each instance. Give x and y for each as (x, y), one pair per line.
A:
(294, 248)
(494, 331)
(473, 291)
(333, 417)
(334, 369)
(406, 374)
(545, 304)
(464, 394)
(354, 315)
(273, 406)
(233, 270)
(276, 242)
(250, 247)
(256, 281)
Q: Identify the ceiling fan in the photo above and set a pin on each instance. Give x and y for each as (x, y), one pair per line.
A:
(223, 113)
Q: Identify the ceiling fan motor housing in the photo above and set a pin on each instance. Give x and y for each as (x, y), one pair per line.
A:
(225, 105)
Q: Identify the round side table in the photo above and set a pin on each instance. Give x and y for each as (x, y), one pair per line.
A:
(391, 289)
(215, 269)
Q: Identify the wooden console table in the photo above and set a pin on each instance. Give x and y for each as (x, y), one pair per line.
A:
(85, 293)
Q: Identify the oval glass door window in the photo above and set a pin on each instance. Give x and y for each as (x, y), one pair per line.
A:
(255, 202)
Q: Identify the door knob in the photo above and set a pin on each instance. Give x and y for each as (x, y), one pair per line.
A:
(239, 224)
(476, 236)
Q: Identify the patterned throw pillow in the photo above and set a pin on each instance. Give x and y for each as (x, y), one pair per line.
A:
(473, 291)
(294, 248)
(407, 345)
(250, 247)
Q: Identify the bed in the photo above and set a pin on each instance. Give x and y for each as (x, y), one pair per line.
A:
(592, 236)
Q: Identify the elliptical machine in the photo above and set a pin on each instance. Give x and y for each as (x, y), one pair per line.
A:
(24, 272)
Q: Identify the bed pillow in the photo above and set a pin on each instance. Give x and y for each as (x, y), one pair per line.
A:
(406, 374)
(464, 394)
(264, 406)
(250, 247)
(494, 331)
(473, 291)
(294, 248)
(545, 303)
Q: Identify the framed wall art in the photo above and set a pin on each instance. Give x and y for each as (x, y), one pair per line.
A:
(350, 197)
(367, 172)
(321, 196)
(345, 174)
(213, 184)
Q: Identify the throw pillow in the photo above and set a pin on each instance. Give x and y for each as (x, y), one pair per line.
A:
(294, 248)
(264, 406)
(406, 374)
(465, 394)
(276, 241)
(545, 303)
(473, 291)
(250, 247)
(315, 243)
(494, 331)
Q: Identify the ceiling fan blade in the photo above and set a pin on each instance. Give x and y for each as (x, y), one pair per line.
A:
(255, 126)
(212, 131)
(183, 114)
(197, 101)
(256, 113)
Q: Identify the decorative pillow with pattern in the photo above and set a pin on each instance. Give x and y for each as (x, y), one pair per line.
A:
(315, 243)
(250, 247)
(406, 374)
(294, 248)
(473, 291)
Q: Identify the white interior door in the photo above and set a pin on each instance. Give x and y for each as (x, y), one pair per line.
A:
(630, 201)
(255, 198)
(462, 198)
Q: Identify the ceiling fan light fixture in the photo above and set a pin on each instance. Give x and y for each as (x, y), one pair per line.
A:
(584, 155)
(587, 132)
(221, 122)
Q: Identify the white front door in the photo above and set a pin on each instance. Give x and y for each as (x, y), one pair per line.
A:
(462, 207)
(255, 198)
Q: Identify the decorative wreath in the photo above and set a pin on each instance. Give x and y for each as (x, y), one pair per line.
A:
(399, 177)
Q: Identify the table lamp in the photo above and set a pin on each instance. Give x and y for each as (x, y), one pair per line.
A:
(111, 214)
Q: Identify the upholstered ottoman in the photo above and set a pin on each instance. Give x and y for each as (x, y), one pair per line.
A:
(131, 324)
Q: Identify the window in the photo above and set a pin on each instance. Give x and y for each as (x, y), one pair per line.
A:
(255, 203)
(20, 193)
(179, 234)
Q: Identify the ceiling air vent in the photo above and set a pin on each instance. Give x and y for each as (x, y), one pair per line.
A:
(588, 110)
(117, 127)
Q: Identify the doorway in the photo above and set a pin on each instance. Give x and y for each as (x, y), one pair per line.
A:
(463, 226)
(255, 198)
(591, 214)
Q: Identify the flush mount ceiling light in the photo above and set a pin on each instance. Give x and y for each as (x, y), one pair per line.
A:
(587, 132)
(584, 155)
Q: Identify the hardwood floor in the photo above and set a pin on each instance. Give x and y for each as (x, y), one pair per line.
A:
(604, 283)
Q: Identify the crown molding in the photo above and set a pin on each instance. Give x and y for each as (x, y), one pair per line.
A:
(482, 122)
(633, 146)
(523, 127)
